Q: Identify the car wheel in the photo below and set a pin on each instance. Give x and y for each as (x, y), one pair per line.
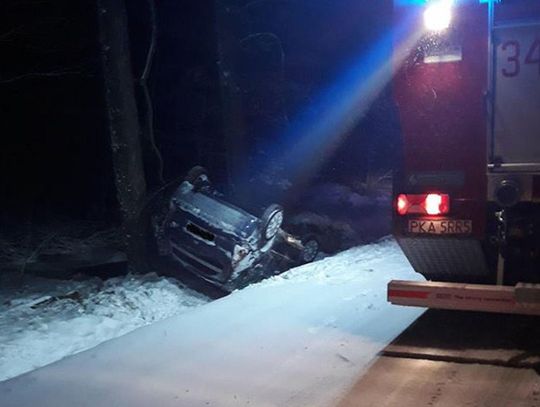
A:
(198, 177)
(271, 221)
(311, 249)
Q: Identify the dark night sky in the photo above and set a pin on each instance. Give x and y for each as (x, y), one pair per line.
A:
(55, 158)
(52, 126)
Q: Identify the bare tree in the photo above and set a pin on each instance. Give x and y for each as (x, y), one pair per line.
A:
(234, 126)
(123, 123)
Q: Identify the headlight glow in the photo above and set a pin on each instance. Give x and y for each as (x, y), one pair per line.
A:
(438, 15)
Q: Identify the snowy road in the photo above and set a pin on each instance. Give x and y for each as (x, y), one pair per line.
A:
(300, 339)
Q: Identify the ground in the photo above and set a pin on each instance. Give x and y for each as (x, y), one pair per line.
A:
(44, 320)
(297, 339)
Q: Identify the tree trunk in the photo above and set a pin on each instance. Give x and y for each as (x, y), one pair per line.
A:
(234, 128)
(123, 123)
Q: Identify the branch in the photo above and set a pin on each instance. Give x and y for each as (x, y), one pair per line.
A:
(143, 81)
(36, 252)
(152, 46)
(30, 75)
(7, 35)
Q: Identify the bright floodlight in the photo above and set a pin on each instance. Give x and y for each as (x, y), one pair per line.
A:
(438, 15)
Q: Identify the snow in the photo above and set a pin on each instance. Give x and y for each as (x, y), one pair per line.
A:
(298, 339)
(37, 328)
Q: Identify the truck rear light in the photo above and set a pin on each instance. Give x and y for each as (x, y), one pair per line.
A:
(425, 204)
(402, 204)
(436, 204)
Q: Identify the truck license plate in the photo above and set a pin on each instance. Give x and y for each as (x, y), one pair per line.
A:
(440, 227)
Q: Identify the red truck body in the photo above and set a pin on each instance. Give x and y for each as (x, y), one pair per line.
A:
(466, 97)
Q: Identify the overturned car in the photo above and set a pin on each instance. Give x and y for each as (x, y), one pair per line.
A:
(223, 243)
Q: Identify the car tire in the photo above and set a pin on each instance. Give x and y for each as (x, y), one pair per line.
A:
(198, 177)
(311, 249)
(271, 221)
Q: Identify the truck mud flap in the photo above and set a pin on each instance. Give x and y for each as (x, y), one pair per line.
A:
(453, 258)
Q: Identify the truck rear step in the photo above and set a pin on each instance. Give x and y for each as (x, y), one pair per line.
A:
(521, 299)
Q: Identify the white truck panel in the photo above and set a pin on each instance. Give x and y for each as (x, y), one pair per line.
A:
(517, 95)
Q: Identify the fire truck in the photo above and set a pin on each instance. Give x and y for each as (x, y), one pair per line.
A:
(467, 191)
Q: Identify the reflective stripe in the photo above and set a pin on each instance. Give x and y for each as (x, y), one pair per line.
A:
(408, 294)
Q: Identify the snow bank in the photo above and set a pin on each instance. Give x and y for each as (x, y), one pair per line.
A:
(38, 329)
(299, 339)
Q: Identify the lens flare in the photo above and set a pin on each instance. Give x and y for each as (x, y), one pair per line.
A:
(438, 15)
(313, 135)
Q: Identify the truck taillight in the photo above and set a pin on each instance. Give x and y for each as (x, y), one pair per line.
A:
(402, 204)
(425, 204)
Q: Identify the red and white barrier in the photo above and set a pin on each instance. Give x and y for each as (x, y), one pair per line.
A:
(521, 299)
